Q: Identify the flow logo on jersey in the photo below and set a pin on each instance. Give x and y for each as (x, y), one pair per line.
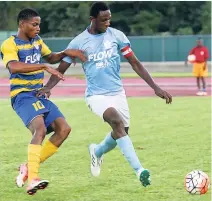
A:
(100, 55)
(35, 58)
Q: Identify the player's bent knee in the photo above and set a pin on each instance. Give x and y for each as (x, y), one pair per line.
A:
(65, 131)
(117, 123)
(114, 119)
(112, 116)
(118, 128)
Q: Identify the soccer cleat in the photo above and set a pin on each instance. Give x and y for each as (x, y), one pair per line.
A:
(36, 184)
(95, 161)
(204, 93)
(144, 177)
(23, 175)
(199, 93)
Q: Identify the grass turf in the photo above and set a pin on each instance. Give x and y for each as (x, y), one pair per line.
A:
(170, 140)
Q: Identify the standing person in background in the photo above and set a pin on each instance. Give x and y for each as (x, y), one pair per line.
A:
(200, 70)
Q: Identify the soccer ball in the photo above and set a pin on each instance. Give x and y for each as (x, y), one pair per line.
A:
(197, 182)
(191, 58)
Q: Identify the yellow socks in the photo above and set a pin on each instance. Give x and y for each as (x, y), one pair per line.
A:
(48, 149)
(33, 161)
(38, 154)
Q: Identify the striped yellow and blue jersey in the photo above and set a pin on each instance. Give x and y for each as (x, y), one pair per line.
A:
(16, 49)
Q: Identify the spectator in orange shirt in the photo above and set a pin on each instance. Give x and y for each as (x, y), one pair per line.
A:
(200, 70)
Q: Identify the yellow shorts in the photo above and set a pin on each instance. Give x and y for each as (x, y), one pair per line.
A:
(198, 70)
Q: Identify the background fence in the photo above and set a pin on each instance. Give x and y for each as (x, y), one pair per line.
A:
(150, 48)
(146, 48)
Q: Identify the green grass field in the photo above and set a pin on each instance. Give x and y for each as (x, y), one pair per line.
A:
(170, 140)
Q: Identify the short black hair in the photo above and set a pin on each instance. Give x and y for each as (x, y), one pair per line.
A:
(26, 14)
(97, 7)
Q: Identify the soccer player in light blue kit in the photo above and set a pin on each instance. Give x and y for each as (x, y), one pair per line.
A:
(105, 95)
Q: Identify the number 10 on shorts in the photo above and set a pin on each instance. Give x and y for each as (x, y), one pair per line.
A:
(38, 106)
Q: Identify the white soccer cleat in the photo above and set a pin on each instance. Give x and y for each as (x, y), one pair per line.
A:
(204, 93)
(199, 93)
(95, 161)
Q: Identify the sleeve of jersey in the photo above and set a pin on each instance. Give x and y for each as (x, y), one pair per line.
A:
(124, 44)
(71, 45)
(45, 51)
(9, 52)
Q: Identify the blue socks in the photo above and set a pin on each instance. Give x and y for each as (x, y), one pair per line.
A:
(105, 146)
(126, 146)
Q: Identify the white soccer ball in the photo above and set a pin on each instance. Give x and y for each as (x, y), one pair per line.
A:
(197, 182)
(191, 58)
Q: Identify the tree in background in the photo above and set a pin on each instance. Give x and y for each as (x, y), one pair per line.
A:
(134, 18)
(206, 18)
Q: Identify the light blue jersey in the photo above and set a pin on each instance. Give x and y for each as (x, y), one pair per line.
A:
(102, 70)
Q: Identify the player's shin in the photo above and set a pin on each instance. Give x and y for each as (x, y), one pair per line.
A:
(105, 146)
(203, 84)
(198, 83)
(126, 146)
(33, 161)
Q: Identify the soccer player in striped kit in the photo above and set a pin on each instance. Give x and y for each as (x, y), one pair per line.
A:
(105, 95)
(21, 54)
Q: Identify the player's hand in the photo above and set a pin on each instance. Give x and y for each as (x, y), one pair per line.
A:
(54, 72)
(76, 54)
(44, 92)
(164, 95)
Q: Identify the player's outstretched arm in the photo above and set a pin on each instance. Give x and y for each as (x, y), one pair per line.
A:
(56, 57)
(72, 53)
(20, 67)
(143, 73)
(53, 80)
